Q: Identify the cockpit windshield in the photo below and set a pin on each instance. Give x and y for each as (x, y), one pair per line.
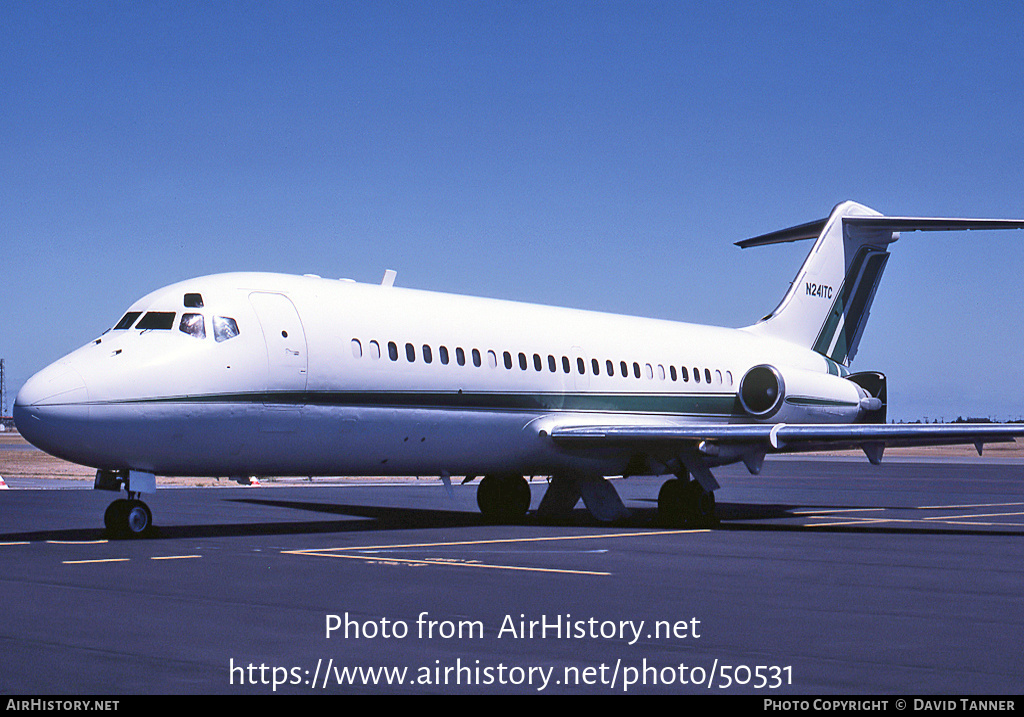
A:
(161, 320)
(224, 328)
(127, 320)
(193, 324)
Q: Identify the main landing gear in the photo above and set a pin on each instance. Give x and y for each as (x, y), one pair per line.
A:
(127, 517)
(503, 497)
(685, 502)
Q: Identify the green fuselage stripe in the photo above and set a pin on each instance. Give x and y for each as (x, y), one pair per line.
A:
(717, 404)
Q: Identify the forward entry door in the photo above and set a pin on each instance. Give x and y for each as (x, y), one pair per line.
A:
(285, 339)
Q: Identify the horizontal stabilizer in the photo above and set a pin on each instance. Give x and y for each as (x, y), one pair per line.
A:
(811, 230)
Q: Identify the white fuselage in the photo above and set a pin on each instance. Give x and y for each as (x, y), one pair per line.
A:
(328, 377)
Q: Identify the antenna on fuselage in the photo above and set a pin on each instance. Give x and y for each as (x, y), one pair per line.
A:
(389, 277)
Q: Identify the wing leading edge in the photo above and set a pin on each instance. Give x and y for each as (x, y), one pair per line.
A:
(711, 439)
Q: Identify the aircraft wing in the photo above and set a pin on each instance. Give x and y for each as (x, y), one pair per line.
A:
(712, 439)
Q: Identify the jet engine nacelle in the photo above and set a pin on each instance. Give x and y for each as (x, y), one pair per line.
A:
(800, 396)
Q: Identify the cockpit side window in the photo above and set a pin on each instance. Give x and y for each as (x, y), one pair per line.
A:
(156, 320)
(193, 325)
(127, 320)
(224, 328)
(193, 301)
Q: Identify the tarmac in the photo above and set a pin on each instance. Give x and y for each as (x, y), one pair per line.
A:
(824, 576)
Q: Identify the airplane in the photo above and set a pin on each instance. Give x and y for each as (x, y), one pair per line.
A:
(244, 375)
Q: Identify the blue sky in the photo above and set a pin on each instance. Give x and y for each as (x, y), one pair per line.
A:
(591, 154)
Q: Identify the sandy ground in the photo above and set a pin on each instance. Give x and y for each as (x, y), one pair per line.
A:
(20, 460)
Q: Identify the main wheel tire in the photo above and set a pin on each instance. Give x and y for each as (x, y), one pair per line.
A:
(503, 497)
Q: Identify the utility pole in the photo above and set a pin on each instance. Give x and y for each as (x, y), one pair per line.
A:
(3, 390)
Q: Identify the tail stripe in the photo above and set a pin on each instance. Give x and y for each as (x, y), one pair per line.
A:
(840, 333)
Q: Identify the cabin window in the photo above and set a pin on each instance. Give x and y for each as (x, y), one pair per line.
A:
(686, 373)
(718, 376)
(127, 320)
(476, 358)
(636, 369)
(193, 325)
(609, 367)
(624, 369)
(428, 356)
(565, 364)
(552, 364)
(707, 375)
(649, 371)
(672, 373)
(508, 359)
(443, 352)
(538, 365)
(696, 374)
(661, 372)
(357, 348)
(492, 358)
(581, 366)
(460, 356)
(410, 353)
(193, 301)
(159, 320)
(393, 350)
(374, 350)
(728, 377)
(522, 361)
(224, 328)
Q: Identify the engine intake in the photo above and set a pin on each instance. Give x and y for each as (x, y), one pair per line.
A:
(762, 391)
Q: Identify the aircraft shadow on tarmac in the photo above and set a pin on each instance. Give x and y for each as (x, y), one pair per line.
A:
(372, 519)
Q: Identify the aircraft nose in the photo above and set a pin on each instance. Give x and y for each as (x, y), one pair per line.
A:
(54, 385)
(49, 409)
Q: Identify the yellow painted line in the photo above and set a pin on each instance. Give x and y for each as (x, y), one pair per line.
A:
(103, 560)
(346, 552)
(970, 505)
(962, 517)
(864, 521)
(504, 540)
(457, 563)
(837, 510)
(174, 557)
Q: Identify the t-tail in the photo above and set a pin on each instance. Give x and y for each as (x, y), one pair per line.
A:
(827, 306)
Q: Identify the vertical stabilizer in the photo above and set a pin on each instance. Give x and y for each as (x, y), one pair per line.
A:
(827, 305)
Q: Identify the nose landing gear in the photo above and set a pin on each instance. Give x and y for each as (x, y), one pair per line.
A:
(127, 517)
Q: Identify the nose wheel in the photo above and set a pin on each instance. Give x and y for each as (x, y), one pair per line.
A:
(128, 518)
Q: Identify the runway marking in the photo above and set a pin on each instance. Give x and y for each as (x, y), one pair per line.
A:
(75, 542)
(455, 562)
(341, 552)
(979, 515)
(20, 542)
(965, 519)
(173, 557)
(836, 510)
(101, 560)
(968, 505)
